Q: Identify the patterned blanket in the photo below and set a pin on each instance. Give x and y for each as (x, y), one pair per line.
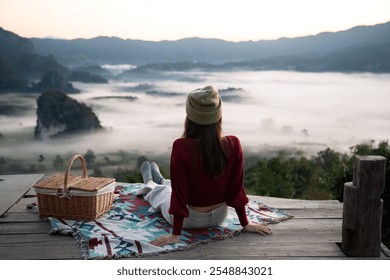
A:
(132, 223)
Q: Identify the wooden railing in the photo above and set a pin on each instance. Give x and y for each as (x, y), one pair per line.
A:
(363, 207)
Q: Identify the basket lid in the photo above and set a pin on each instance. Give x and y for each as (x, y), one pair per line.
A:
(91, 184)
(56, 182)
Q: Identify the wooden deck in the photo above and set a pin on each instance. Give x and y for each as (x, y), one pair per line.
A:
(313, 233)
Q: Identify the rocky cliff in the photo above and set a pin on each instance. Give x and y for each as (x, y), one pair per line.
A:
(53, 80)
(60, 115)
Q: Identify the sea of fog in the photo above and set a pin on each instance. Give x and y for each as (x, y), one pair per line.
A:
(268, 110)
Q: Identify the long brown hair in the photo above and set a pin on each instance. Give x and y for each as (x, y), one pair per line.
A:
(211, 145)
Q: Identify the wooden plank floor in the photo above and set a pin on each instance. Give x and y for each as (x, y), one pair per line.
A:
(13, 187)
(313, 233)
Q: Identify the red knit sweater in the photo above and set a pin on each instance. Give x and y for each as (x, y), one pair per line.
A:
(191, 185)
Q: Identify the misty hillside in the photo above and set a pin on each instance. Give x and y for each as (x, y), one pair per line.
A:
(19, 62)
(21, 66)
(112, 50)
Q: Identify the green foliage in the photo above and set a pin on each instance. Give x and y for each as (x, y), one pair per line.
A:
(90, 158)
(271, 177)
(58, 162)
(320, 177)
(10, 166)
(291, 177)
(336, 169)
(134, 175)
(97, 172)
(127, 175)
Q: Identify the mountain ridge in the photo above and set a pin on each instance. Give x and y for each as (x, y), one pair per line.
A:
(114, 50)
(359, 49)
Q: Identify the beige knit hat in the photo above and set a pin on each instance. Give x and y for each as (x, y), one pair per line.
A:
(204, 105)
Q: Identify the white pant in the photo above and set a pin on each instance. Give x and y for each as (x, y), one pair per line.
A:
(160, 199)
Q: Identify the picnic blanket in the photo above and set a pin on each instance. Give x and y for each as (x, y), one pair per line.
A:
(132, 223)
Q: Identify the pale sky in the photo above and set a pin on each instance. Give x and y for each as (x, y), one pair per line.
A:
(234, 20)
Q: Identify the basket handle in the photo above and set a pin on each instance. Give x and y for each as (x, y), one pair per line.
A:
(70, 163)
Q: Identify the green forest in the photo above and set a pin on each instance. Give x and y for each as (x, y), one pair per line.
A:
(319, 177)
(288, 176)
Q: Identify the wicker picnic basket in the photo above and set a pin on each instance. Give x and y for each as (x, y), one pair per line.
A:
(74, 197)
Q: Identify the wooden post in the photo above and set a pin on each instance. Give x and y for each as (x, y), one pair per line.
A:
(363, 207)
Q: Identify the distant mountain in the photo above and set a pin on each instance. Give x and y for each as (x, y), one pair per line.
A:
(20, 66)
(19, 52)
(19, 62)
(366, 58)
(362, 48)
(12, 45)
(363, 58)
(112, 50)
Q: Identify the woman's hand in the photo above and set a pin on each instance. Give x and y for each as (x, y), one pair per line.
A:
(257, 228)
(165, 240)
